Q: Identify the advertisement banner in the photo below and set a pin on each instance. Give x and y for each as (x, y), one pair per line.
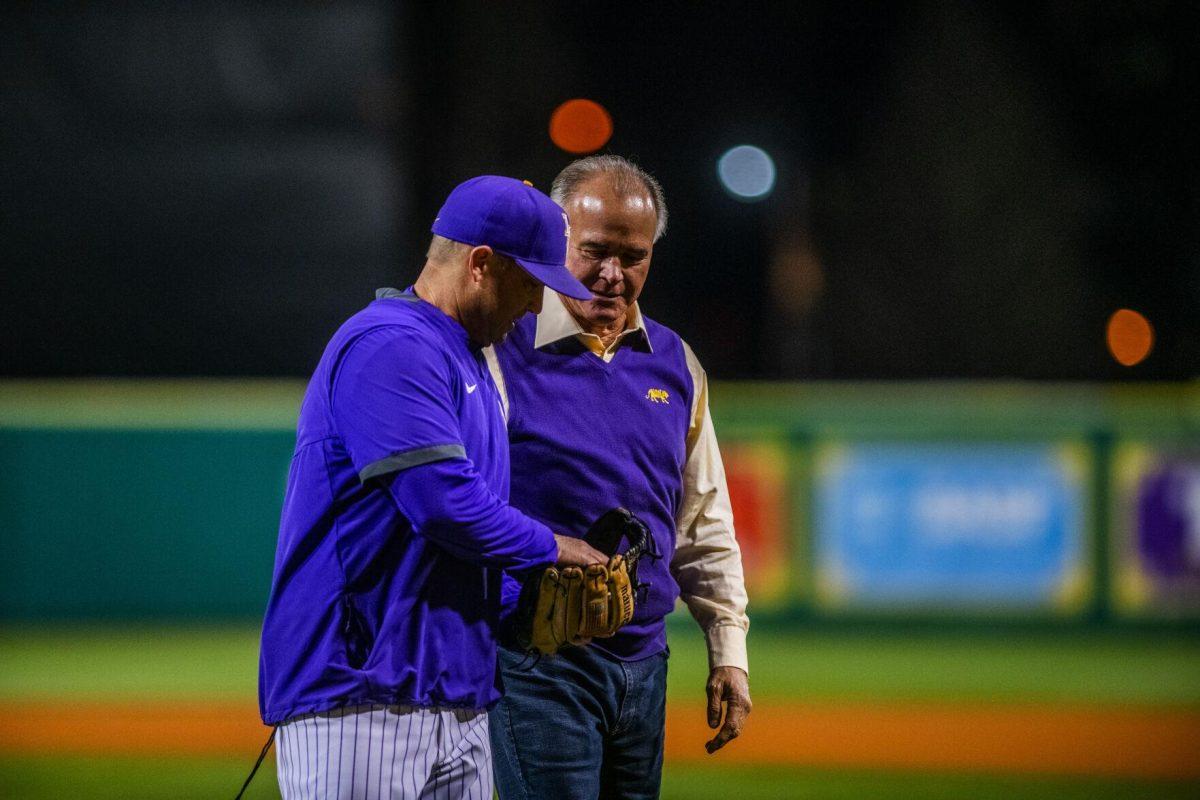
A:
(1156, 531)
(757, 476)
(962, 526)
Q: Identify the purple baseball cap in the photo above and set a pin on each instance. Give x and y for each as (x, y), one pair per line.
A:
(515, 220)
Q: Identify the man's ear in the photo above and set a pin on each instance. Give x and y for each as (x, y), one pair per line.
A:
(477, 262)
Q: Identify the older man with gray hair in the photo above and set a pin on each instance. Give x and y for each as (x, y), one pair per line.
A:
(604, 405)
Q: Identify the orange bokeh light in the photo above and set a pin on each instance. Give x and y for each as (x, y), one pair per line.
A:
(1130, 337)
(580, 126)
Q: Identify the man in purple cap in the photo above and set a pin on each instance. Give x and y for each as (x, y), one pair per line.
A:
(378, 657)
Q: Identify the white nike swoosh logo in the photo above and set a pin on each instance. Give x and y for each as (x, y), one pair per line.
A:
(471, 387)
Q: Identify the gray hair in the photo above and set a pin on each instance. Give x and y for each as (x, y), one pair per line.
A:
(626, 178)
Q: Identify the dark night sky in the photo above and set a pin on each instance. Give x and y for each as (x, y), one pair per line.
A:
(964, 190)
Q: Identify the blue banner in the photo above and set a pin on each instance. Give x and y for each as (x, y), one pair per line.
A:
(981, 525)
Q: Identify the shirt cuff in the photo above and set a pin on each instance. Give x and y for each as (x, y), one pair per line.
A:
(727, 647)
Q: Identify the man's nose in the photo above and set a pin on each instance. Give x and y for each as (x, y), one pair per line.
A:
(610, 269)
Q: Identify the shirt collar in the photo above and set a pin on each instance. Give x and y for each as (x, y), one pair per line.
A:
(555, 323)
(432, 312)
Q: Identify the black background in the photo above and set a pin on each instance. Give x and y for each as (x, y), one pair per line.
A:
(964, 190)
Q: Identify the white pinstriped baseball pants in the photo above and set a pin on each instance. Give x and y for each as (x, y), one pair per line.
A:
(385, 752)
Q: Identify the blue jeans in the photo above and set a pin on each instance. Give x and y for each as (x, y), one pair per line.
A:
(580, 725)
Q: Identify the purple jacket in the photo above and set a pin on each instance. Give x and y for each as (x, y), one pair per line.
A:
(395, 525)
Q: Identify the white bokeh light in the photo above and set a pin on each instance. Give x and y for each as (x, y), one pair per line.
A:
(747, 172)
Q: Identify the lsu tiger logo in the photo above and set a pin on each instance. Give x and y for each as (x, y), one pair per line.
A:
(658, 396)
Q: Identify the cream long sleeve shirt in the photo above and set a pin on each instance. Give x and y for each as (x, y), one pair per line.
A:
(708, 562)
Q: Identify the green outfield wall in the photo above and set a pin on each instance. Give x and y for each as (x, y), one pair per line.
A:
(160, 499)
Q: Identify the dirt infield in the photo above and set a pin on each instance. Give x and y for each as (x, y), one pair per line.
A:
(1130, 742)
(1142, 742)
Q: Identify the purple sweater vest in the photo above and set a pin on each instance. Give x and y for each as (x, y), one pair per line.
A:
(586, 436)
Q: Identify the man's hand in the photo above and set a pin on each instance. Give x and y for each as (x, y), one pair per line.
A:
(576, 552)
(728, 686)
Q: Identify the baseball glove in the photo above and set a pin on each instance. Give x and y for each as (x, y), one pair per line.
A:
(561, 607)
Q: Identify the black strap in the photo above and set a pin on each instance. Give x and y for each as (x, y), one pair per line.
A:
(640, 541)
(613, 525)
(618, 523)
(257, 764)
(606, 532)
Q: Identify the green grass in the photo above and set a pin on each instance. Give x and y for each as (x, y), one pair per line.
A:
(132, 778)
(130, 662)
(1094, 668)
(222, 663)
(769, 783)
(146, 779)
